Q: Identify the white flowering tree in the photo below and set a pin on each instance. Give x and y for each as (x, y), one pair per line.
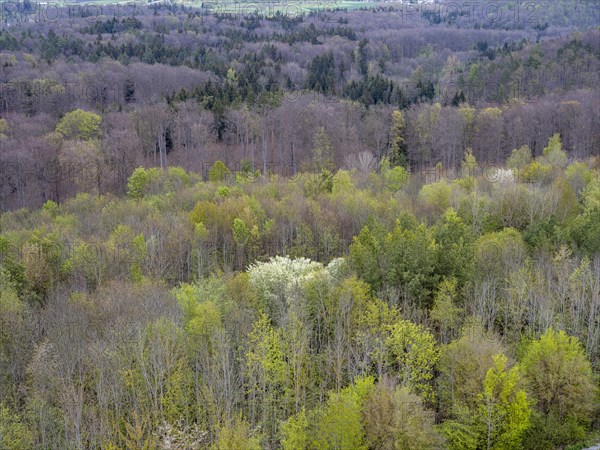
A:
(278, 281)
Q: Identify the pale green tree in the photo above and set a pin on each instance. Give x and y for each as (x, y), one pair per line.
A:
(396, 419)
(266, 376)
(559, 378)
(554, 152)
(79, 124)
(445, 312)
(322, 152)
(463, 366)
(14, 434)
(397, 154)
(218, 172)
(519, 158)
(339, 424)
(455, 248)
(503, 411)
(435, 197)
(295, 432)
(236, 435)
(413, 353)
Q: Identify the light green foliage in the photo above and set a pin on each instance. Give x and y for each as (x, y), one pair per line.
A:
(3, 128)
(397, 419)
(177, 178)
(414, 352)
(455, 248)
(339, 425)
(374, 324)
(459, 435)
(428, 118)
(200, 230)
(145, 182)
(379, 416)
(218, 172)
(445, 312)
(468, 116)
(503, 412)
(189, 296)
(125, 248)
(5, 244)
(206, 213)
(342, 183)
(264, 356)
(294, 432)
(436, 196)
(248, 176)
(236, 435)
(205, 321)
(140, 180)
(136, 435)
(414, 423)
(463, 366)
(179, 390)
(267, 372)
(519, 158)
(157, 377)
(591, 195)
(79, 124)
(231, 75)
(322, 153)
(13, 315)
(469, 164)
(536, 172)
(397, 131)
(349, 300)
(365, 254)
(164, 318)
(579, 175)
(241, 234)
(90, 260)
(497, 253)
(223, 191)
(317, 183)
(51, 207)
(86, 160)
(396, 177)
(585, 228)
(566, 207)
(559, 378)
(40, 260)
(554, 152)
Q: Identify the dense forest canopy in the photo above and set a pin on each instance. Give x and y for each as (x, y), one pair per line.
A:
(314, 225)
(178, 85)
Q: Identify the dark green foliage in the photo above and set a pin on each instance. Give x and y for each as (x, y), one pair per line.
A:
(321, 74)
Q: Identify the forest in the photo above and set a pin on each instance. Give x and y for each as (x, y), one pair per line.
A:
(175, 86)
(367, 229)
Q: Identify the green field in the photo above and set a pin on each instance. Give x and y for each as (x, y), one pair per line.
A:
(270, 8)
(267, 8)
(235, 7)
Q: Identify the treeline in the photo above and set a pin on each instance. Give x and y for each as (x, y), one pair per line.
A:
(40, 160)
(459, 311)
(377, 69)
